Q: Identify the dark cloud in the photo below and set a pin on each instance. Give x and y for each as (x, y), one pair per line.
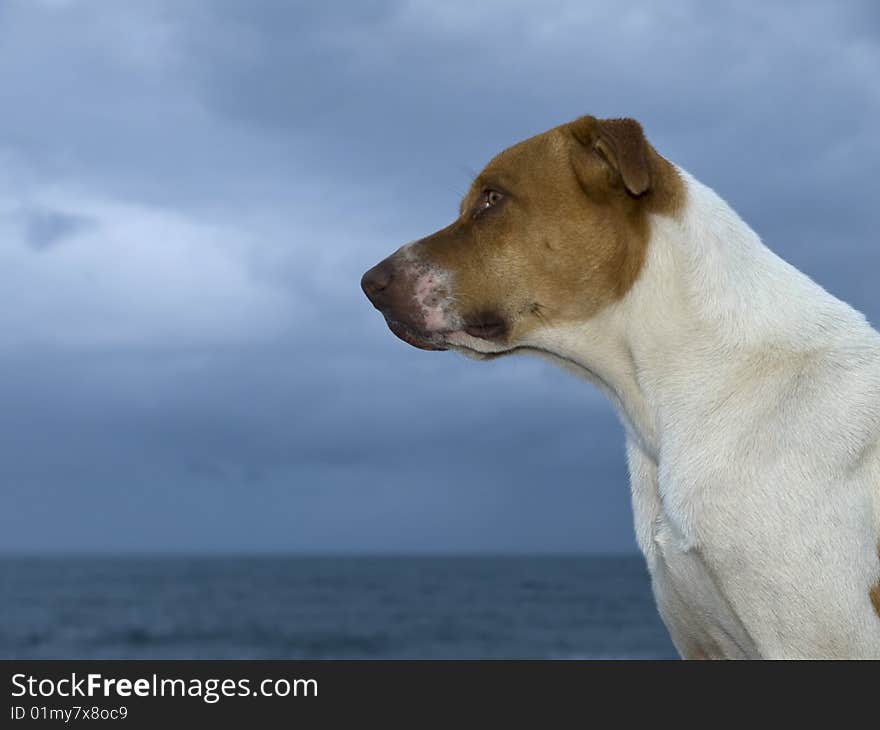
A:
(189, 362)
(46, 228)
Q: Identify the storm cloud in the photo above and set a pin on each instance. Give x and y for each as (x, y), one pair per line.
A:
(189, 192)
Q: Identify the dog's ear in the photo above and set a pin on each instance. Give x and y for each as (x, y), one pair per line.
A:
(621, 145)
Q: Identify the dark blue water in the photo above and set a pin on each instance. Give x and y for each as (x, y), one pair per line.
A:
(328, 607)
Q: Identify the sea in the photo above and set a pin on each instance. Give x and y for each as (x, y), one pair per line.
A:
(329, 607)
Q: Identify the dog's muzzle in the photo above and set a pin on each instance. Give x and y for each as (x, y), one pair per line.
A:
(393, 288)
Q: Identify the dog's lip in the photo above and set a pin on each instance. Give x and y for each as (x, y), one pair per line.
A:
(486, 326)
(412, 336)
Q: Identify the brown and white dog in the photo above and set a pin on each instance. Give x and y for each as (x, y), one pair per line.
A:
(750, 396)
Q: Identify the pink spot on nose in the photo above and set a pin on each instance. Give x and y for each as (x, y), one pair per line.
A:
(424, 286)
(430, 296)
(434, 318)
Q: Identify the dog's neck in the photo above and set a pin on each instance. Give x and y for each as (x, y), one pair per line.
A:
(713, 311)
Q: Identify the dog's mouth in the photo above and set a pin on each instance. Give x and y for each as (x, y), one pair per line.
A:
(484, 328)
(416, 337)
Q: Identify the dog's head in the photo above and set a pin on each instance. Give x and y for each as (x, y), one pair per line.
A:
(552, 231)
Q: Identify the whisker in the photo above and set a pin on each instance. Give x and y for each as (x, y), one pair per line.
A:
(538, 310)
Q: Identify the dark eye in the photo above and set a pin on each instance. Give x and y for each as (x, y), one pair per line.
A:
(487, 200)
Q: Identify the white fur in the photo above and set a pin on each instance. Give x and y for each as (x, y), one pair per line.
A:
(751, 401)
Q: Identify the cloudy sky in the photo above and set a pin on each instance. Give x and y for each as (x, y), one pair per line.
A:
(190, 191)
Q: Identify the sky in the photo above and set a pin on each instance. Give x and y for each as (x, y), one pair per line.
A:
(190, 191)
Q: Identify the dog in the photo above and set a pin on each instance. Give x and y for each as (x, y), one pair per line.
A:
(749, 395)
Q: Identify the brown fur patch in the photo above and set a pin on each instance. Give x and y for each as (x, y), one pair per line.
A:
(571, 231)
(874, 593)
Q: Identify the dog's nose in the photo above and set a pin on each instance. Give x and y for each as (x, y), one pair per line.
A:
(376, 281)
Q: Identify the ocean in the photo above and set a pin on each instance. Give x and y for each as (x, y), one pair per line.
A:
(284, 607)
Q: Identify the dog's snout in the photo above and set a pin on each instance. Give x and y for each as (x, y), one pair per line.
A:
(376, 281)
(407, 295)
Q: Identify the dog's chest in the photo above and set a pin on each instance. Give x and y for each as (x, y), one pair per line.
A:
(701, 621)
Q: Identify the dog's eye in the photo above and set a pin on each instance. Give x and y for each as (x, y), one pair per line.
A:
(489, 198)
